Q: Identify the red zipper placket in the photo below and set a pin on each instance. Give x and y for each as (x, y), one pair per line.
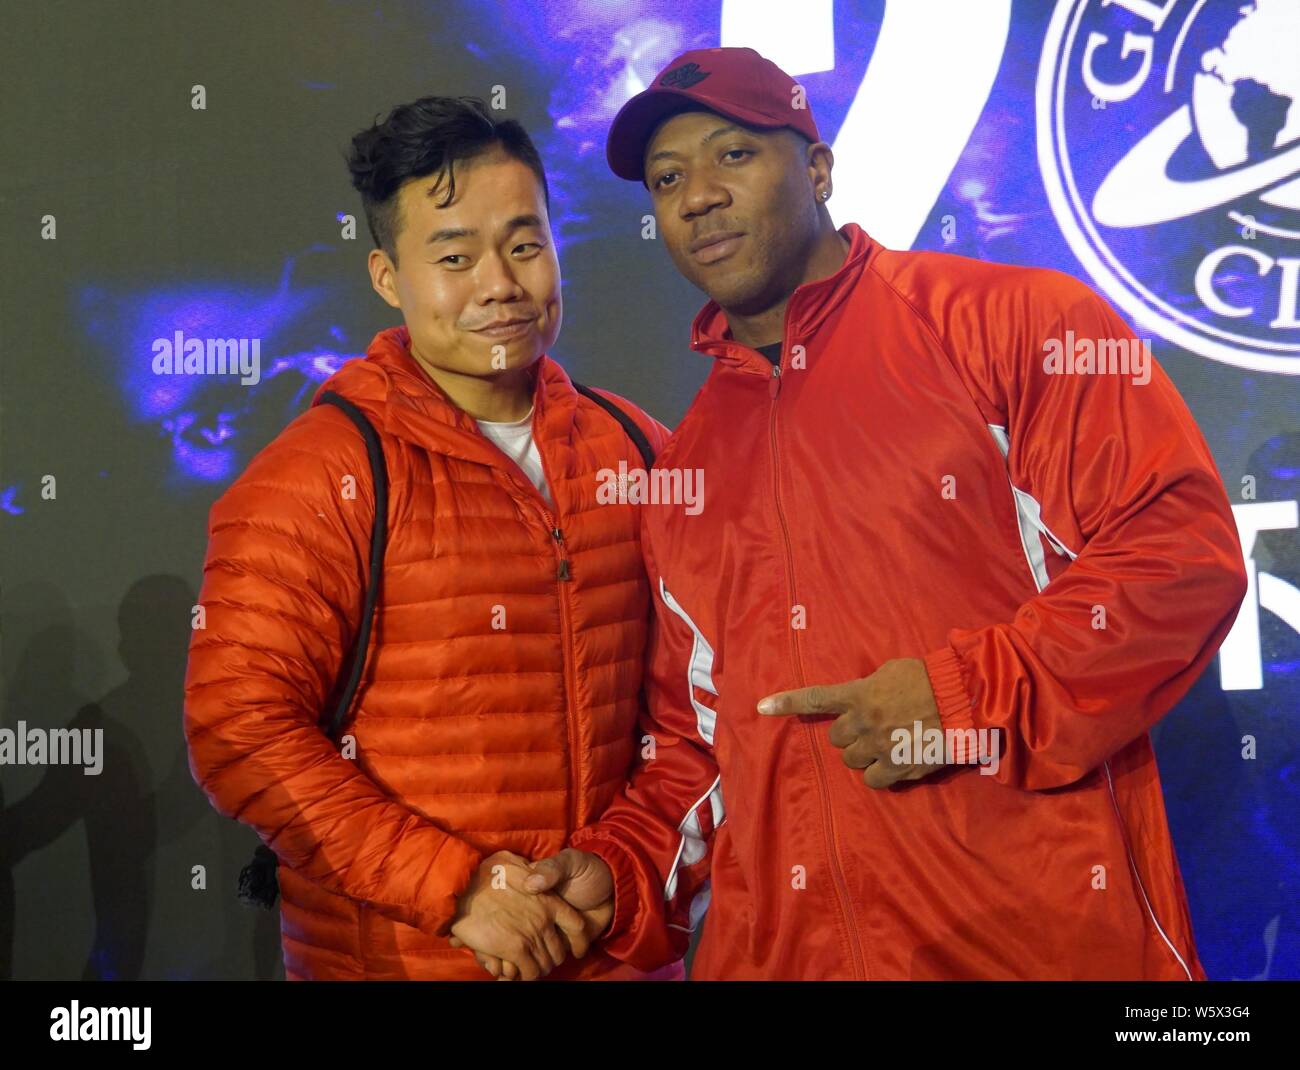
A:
(563, 576)
(574, 765)
(823, 785)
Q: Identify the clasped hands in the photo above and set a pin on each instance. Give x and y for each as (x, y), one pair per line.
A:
(523, 919)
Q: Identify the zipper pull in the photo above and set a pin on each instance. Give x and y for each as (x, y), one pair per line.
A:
(563, 572)
(774, 384)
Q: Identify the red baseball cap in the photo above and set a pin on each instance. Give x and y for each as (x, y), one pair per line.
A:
(735, 82)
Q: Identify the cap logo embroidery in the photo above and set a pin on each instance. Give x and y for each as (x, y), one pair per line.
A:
(685, 76)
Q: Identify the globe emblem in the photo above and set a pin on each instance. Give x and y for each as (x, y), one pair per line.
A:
(1246, 97)
(1169, 141)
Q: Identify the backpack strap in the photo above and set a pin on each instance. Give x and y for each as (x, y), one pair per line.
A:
(634, 432)
(356, 659)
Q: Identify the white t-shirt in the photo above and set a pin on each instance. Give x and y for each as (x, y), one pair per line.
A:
(515, 440)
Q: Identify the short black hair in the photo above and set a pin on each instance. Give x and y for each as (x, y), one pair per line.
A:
(425, 137)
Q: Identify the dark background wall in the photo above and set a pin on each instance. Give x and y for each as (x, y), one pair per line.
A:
(225, 221)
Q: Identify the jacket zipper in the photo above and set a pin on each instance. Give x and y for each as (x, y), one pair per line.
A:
(574, 765)
(562, 574)
(823, 786)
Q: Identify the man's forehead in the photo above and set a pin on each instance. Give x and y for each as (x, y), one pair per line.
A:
(503, 210)
(504, 173)
(697, 120)
(685, 131)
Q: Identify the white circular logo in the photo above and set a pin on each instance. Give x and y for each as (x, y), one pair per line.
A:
(1169, 143)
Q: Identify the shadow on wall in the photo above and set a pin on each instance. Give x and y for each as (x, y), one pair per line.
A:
(142, 832)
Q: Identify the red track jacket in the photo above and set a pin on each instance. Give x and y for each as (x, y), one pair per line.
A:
(911, 482)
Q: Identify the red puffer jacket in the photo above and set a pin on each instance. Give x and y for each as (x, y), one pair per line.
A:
(499, 702)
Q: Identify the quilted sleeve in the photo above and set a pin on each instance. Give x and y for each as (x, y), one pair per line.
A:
(283, 585)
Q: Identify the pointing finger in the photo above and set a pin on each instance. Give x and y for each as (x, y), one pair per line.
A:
(820, 698)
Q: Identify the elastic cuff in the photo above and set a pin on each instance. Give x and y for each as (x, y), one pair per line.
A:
(950, 695)
(620, 867)
(458, 858)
